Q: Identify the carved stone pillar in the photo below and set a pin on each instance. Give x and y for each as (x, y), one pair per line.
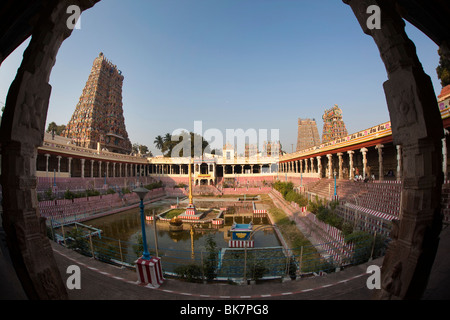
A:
(340, 154)
(351, 173)
(306, 166)
(69, 166)
(21, 133)
(319, 166)
(59, 163)
(312, 165)
(47, 156)
(82, 167)
(364, 154)
(380, 147)
(417, 127)
(330, 166)
(92, 168)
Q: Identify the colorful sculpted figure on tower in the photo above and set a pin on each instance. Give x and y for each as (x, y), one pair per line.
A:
(98, 117)
(333, 125)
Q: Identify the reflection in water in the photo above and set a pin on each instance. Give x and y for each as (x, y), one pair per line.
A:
(126, 227)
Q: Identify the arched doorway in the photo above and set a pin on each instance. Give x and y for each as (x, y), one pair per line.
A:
(411, 101)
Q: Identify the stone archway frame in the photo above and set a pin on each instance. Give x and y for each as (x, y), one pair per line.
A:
(411, 103)
(417, 127)
(21, 133)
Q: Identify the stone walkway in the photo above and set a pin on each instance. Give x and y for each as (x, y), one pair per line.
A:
(100, 281)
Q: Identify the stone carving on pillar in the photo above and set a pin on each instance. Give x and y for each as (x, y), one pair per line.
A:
(417, 127)
(21, 133)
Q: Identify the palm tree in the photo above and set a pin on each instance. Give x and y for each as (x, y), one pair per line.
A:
(168, 144)
(167, 137)
(159, 142)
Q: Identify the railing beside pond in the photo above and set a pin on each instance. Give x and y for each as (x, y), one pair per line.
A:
(228, 264)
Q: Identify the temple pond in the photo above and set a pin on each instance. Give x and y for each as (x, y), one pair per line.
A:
(121, 235)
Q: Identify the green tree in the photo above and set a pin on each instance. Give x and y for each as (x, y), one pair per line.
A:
(210, 261)
(53, 127)
(159, 142)
(142, 149)
(185, 141)
(443, 70)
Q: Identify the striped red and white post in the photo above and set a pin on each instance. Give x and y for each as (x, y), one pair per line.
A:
(241, 243)
(150, 272)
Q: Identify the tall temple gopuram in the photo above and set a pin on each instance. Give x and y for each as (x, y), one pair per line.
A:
(333, 125)
(308, 134)
(98, 120)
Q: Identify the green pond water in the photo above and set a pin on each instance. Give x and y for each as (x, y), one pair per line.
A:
(173, 247)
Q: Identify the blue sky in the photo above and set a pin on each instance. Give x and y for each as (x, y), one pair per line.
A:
(249, 64)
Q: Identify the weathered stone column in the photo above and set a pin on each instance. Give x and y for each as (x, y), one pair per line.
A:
(47, 156)
(319, 166)
(351, 174)
(340, 154)
(417, 127)
(92, 168)
(380, 147)
(312, 165)
(21, 133)
(306, 166)
(59, 163)
(100, 169)
(399, 162)
(69, 166)
(330, 166)
(364, 154)
(82, 167)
